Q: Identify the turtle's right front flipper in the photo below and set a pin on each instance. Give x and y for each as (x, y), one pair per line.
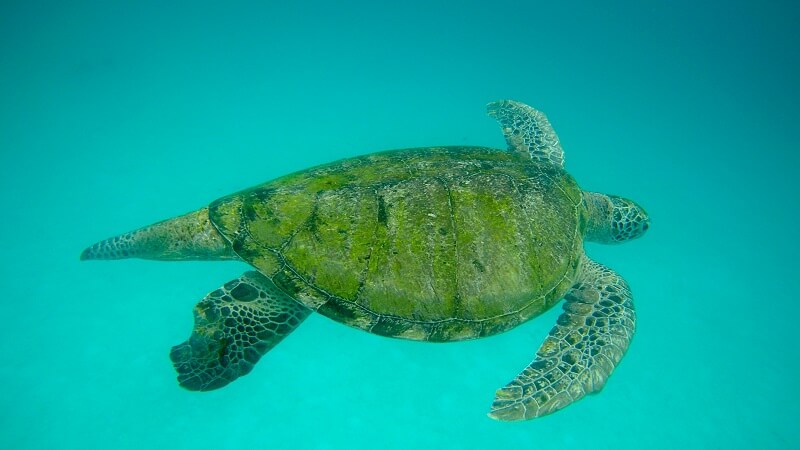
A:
(581, 351)
(235, 326)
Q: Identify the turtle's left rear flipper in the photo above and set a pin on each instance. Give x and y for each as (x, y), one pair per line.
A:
(235, 325)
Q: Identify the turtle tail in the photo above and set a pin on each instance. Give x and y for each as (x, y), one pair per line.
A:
(188, 237)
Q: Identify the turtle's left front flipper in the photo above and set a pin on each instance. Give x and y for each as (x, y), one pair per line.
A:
(583, 348)
(234, 327)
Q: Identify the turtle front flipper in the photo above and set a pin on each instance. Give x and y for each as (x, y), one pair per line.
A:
(234, 327)
(527, 131)
(583, 348)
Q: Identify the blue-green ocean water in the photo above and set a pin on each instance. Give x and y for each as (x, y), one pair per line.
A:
(116, 115)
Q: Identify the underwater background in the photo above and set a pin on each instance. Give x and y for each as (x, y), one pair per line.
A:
(114, 115)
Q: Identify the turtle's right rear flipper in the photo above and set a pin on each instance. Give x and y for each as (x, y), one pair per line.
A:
(234, 326)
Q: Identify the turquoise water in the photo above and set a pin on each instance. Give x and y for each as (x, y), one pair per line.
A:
(116, 116)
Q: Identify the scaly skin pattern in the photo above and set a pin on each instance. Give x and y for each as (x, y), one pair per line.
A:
(183, 238)
(613, 219)
(433, 244)
(578, 356)
(234, 326)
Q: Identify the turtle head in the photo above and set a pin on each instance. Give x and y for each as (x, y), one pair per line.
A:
(613, 219)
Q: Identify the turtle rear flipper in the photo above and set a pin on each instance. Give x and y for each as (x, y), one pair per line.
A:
(583, 348)
(234, 327)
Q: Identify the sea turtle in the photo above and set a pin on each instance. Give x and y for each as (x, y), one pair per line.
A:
(431, 244)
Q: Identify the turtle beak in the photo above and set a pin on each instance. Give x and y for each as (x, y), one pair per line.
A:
(641, 222)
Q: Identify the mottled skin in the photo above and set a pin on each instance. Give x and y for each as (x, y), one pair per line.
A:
(217, 350)
(433, 244)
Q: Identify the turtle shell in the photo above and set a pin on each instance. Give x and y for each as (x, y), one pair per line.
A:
(429, 244)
